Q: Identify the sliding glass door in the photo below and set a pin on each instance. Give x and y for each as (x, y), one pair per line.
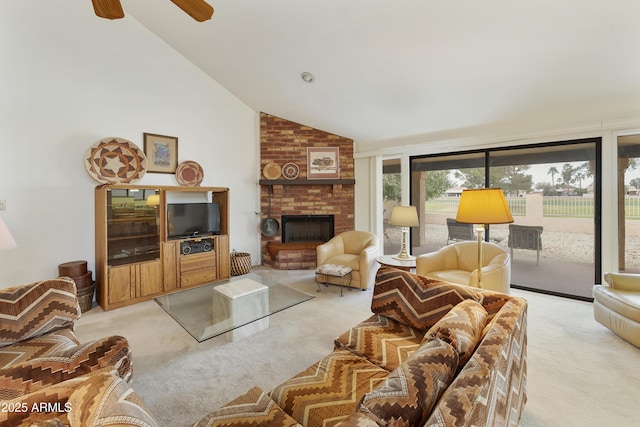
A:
(629, 203)
(553, 193)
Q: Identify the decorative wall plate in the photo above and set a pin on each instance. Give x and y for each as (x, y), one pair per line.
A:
(271, 170)
(189, 173)
(114, 161)
(290, 170)
(269, 227)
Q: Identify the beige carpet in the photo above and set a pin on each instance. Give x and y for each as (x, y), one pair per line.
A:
(580, 374)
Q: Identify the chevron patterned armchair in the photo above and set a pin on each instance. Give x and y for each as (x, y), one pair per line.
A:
(42, 362)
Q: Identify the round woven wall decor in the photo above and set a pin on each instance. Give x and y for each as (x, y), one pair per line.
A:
(290, 170)
(189, 173)
(114, 161)
(271, 170)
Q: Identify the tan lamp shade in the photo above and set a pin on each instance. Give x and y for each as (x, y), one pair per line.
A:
(6, 239)
(404, 216)
(484, 206)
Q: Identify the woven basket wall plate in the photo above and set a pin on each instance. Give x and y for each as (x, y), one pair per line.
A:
(115, 161)
(189, 173)
(271, 171)
(290, 171)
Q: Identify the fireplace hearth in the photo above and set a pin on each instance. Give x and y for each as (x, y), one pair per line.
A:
(306, 228)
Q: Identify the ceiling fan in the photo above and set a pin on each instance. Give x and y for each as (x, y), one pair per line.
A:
(199, 10)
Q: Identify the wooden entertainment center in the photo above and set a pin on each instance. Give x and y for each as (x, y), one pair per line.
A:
(136, 260)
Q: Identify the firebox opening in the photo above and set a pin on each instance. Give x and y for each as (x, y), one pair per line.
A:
(307, 228)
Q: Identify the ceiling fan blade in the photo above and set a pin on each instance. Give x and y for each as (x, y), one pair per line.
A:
(199, 10)
(110, 9)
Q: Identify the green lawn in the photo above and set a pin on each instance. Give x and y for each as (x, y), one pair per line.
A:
(566, 207)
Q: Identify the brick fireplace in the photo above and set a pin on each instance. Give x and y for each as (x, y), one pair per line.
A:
(282, 142)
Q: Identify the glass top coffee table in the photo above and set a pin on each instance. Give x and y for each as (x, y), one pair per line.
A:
(215, 309)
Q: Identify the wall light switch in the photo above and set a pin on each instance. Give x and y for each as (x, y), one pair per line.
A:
(3, 205)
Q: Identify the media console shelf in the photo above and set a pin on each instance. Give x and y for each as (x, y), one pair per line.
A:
(135, 259)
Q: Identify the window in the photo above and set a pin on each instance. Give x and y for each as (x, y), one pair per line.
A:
(629, 203)
(392, 196)
(552, 190)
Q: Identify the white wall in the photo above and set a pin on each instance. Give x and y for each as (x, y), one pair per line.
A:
(69, 79)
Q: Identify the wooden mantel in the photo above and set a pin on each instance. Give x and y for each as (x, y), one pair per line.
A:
(307, 181)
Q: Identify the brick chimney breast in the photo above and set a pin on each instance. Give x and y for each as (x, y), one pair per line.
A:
(281, 142)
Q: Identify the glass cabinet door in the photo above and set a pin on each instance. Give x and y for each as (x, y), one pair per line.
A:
(133, 226)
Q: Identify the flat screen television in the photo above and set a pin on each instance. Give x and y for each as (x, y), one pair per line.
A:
(185, 220)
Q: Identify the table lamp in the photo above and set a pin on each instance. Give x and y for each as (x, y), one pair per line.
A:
(483, 206)
(153, 200)
(405, 217)
(6, 239)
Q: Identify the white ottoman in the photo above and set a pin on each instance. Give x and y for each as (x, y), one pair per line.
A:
(245, 305)
(334, 270)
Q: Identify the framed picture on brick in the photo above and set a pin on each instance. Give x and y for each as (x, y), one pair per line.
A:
(323, 163)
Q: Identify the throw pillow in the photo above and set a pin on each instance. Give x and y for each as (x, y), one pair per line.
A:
(410, 392)
(35, 309)
(329, 390)
(103, 355)
(360, 419)
(44, 345)
(253, 408)
(461, 327)
(45, 404)
(380, 340)
(106, 399)
(416, 301)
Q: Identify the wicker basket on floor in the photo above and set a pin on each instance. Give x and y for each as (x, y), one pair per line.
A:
(85, 297)
(240, 263)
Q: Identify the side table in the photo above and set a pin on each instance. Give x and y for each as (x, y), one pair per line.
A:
(390, 261)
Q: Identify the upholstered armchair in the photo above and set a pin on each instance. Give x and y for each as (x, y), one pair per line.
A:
(38, 346)
(355, 249)
(616, 305)
(458, 263)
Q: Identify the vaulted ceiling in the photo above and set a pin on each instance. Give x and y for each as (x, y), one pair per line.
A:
(415, 70)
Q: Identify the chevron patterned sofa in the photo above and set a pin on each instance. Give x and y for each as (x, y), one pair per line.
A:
(47, 377)
(432, 354)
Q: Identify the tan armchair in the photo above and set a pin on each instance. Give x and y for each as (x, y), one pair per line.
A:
(355, 249)
(458, 263)
(616, 305)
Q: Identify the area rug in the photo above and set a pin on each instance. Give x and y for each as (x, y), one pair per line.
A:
(223, 307)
